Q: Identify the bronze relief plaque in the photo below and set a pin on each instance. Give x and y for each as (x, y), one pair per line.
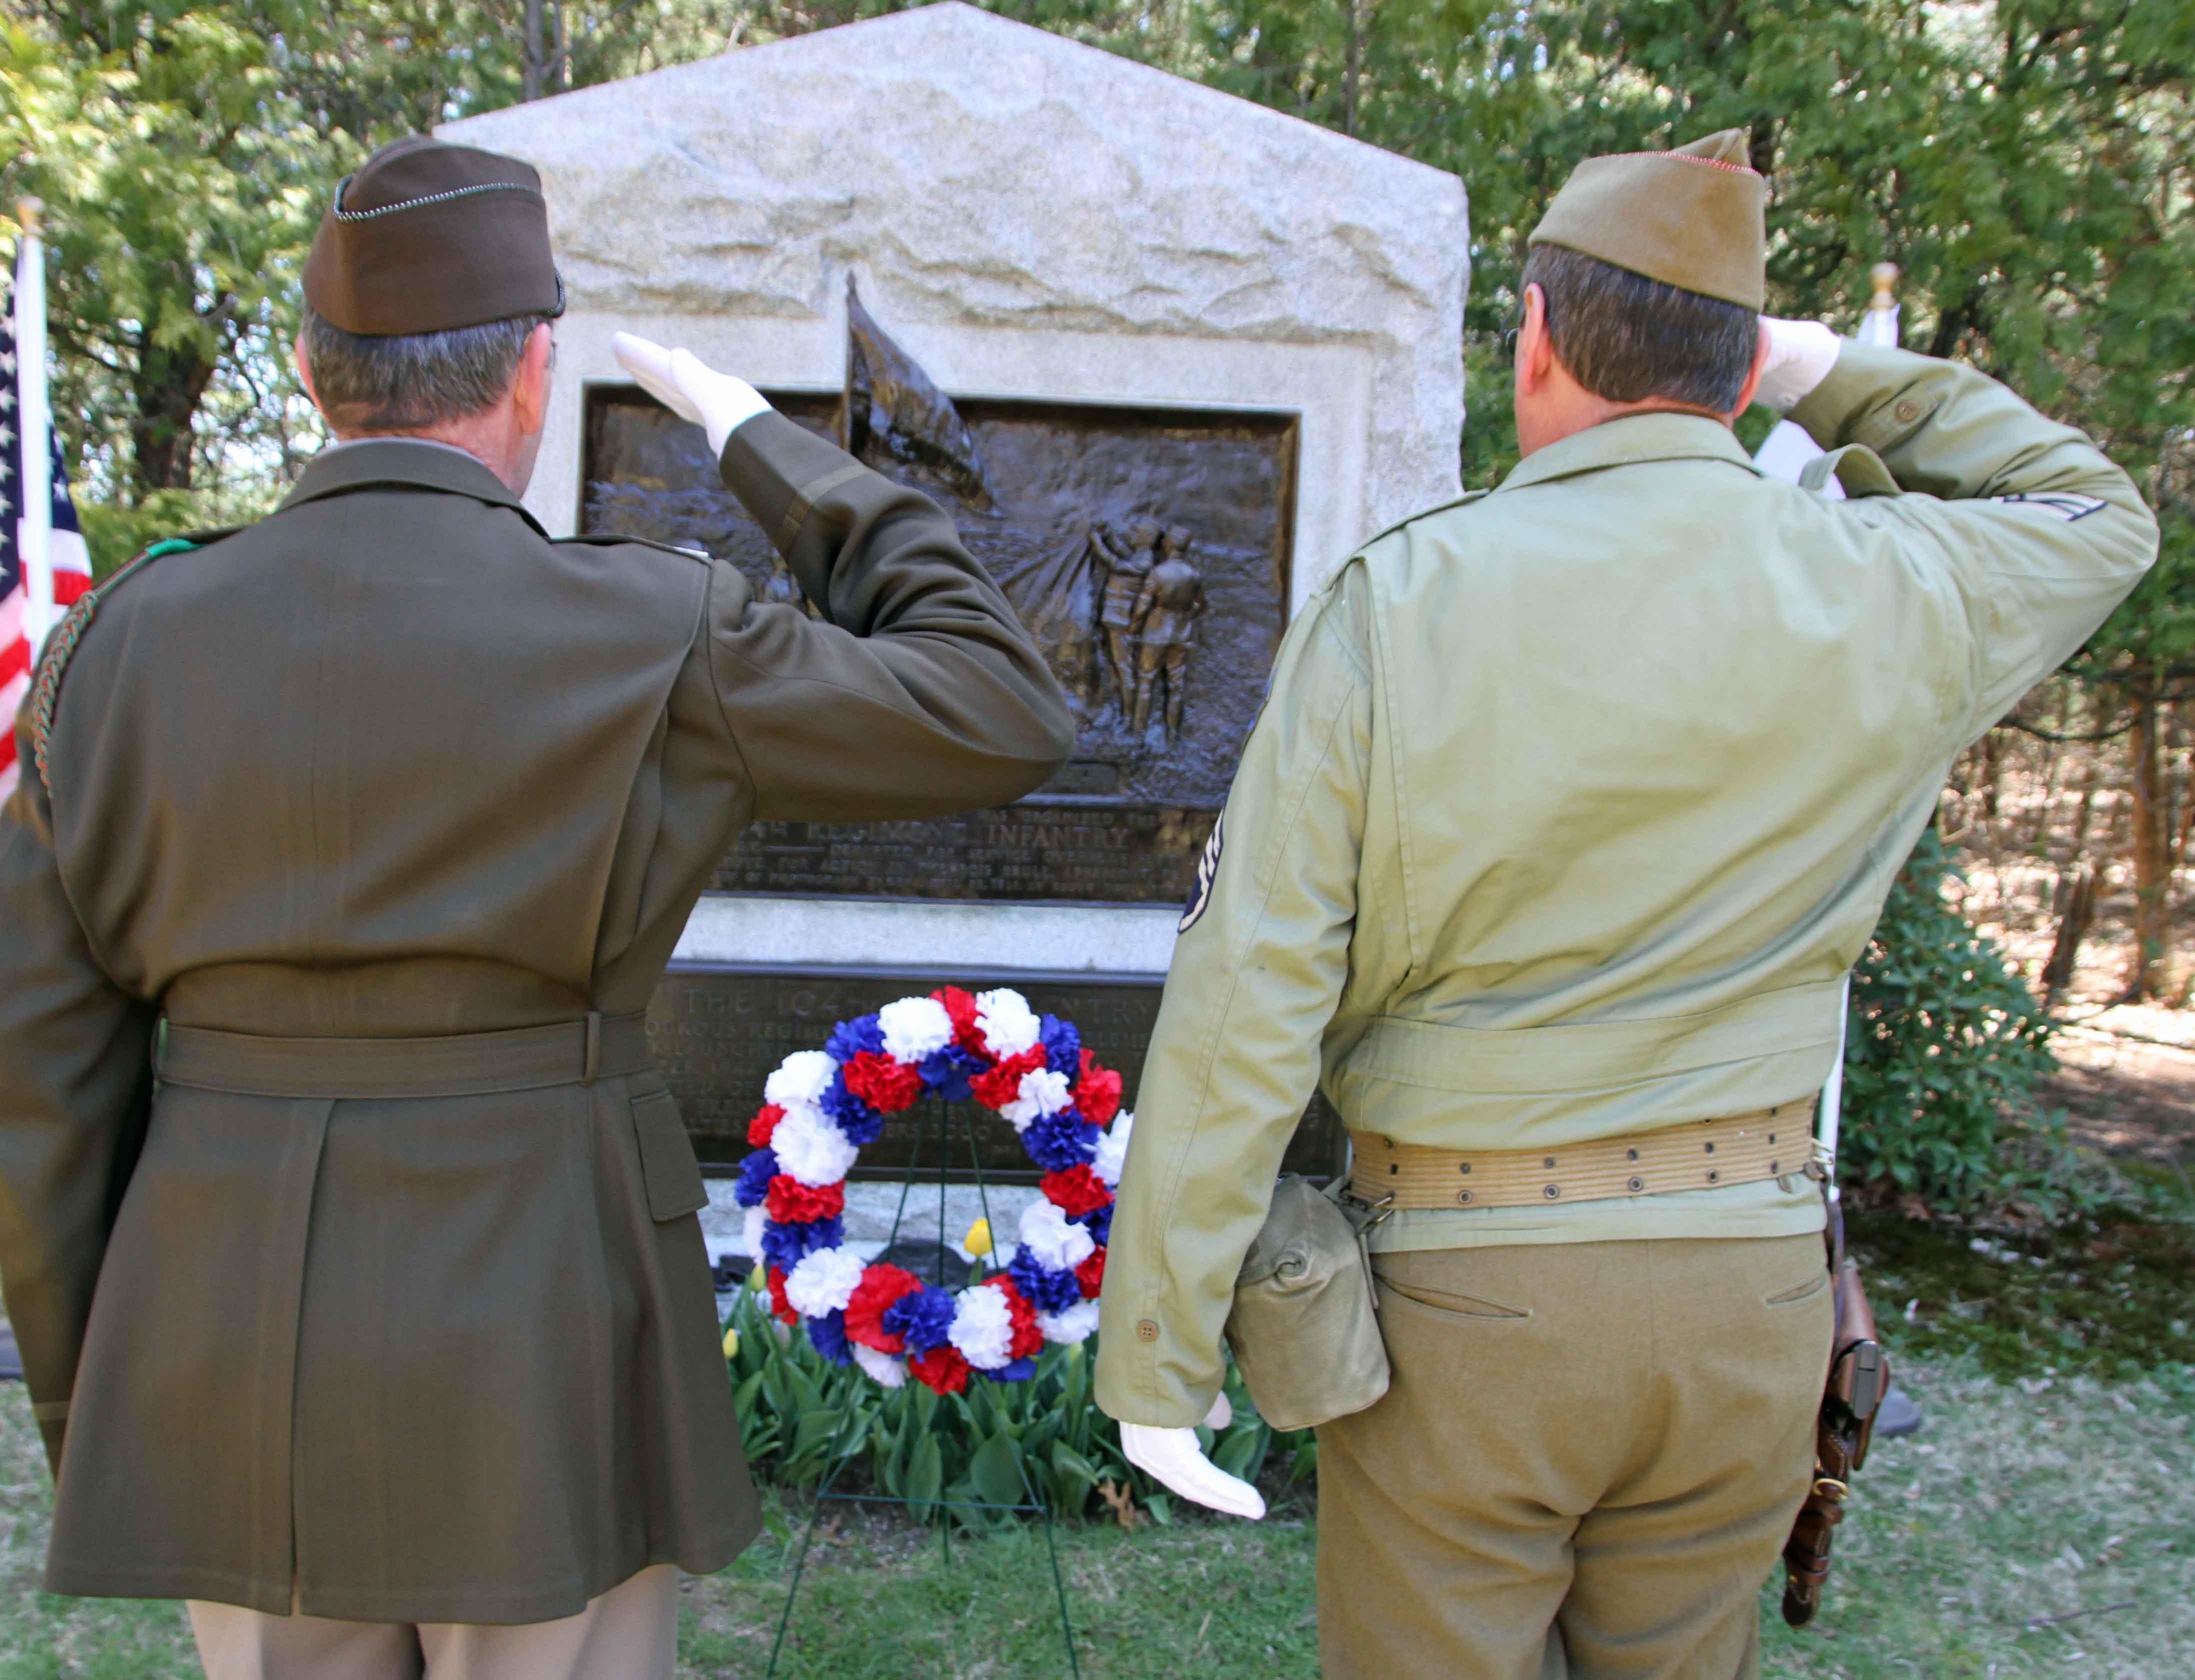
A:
(718, 1030)
(1148, 552)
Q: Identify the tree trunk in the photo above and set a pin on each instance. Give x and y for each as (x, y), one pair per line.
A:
(2076, 894)
(2150, 845)
(1355, 67)
(1992, 773)
(167, 388)
(532, 90)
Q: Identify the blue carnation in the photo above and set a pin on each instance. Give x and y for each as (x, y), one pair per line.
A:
(1044, 1289)
(1062, 1046)
(1058, 1141)
(785, 1246)
(1100, 1223)
(856, 1119)
(947, 1072)
(828, 1333)
(1018, 1370)
(924, 1317)
(755, 1175)
(850, 1038)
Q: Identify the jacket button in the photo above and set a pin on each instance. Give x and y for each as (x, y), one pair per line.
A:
(1907, 412)
(1147, 1329)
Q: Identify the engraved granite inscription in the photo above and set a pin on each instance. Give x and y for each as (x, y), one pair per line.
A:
(717, 1032)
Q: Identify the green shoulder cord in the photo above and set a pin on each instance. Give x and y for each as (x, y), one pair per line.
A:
(46, 693)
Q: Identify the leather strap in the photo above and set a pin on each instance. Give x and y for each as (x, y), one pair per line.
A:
(568, 1053)
(1698, 1155)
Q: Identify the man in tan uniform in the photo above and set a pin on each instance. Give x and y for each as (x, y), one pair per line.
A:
(1572, 806)
(382, 1328)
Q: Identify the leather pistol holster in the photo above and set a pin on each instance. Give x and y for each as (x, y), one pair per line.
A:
(1859, 1373)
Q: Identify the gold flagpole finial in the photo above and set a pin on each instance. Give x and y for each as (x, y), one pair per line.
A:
(32, 213)
(1885, 276)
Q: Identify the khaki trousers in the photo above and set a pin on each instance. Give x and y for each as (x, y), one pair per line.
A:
(629, 1633)
(1587, 1464)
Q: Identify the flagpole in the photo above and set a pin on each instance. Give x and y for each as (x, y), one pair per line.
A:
(34, 530)
(1879, 326)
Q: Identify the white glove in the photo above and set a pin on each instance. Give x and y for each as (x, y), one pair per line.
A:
(1173, 1456)
(1800, 354)
(719, 403)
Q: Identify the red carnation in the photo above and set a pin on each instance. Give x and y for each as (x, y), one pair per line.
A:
(1003, 1083)
(1077, 1191)
(1097, 1095)
(1028, 1335)
(941, 1368)
(961, 1008)
(765, 1122)
(789, 1202)
(879, 1287)
(1090, 1274)
(778, 1303)
(885, 1085)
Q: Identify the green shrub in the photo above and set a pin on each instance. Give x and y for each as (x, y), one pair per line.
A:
(1946, 1046)
(801, 1417)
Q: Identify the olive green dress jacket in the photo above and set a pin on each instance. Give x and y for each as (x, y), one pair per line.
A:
(428, 1334)
(1572, 806)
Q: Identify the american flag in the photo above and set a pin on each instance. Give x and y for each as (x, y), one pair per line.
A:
(71, 565)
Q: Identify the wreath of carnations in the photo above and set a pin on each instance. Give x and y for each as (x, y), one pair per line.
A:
(820, 1107)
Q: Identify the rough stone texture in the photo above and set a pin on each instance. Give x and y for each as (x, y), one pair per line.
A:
(1030, 217)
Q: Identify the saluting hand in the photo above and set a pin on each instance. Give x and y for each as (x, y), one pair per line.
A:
(719, 403)
(1174, 1458)
(1800, 354)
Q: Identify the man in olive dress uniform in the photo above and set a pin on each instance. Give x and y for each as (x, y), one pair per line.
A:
(348, 1231)
(1571, 807)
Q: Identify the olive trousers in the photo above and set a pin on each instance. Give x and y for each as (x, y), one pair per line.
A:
(1586, 1466)
(630, 1632)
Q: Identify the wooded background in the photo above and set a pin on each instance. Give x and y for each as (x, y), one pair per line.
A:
(2030, 164)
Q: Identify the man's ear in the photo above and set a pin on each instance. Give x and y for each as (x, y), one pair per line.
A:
(1535, 344)
(304, 368)
(1752, 379)
(530, 390)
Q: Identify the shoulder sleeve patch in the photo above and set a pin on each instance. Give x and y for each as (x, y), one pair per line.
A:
(1208, 871)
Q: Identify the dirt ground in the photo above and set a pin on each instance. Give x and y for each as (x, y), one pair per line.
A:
(2127, 1083)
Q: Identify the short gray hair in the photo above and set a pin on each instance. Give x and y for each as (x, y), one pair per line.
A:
(1626, 338)
(409, 381)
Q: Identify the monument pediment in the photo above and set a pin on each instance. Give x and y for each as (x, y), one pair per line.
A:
(981, 171)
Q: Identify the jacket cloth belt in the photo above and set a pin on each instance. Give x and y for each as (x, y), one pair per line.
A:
(1572, 804)
(429, 1332)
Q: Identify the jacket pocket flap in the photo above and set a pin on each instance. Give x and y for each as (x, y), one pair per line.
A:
(667, 1166)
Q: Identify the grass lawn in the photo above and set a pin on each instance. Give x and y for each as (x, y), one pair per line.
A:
(2043, 1522)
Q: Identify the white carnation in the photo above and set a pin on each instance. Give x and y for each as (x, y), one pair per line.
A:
(1003, 1018)
(914, 1028)
(982, 1327)
(1052, 1239)
(1113, 1152)
(800, 1080)
(1042, 1091)
(809, 1145)
(752, 1235)
(1076, 1323)
(890, 1372)
(823, 1282)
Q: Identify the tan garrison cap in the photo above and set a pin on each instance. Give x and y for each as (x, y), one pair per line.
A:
(427, 237)
(1694, 218)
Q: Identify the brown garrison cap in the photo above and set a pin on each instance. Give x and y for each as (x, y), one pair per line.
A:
(427, 237)
(1694, 218)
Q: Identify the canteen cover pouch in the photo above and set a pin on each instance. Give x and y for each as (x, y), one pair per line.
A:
(1304, 1325)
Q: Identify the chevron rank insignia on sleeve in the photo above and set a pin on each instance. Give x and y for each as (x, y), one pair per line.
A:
(2060, 503)
(1208, 871)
